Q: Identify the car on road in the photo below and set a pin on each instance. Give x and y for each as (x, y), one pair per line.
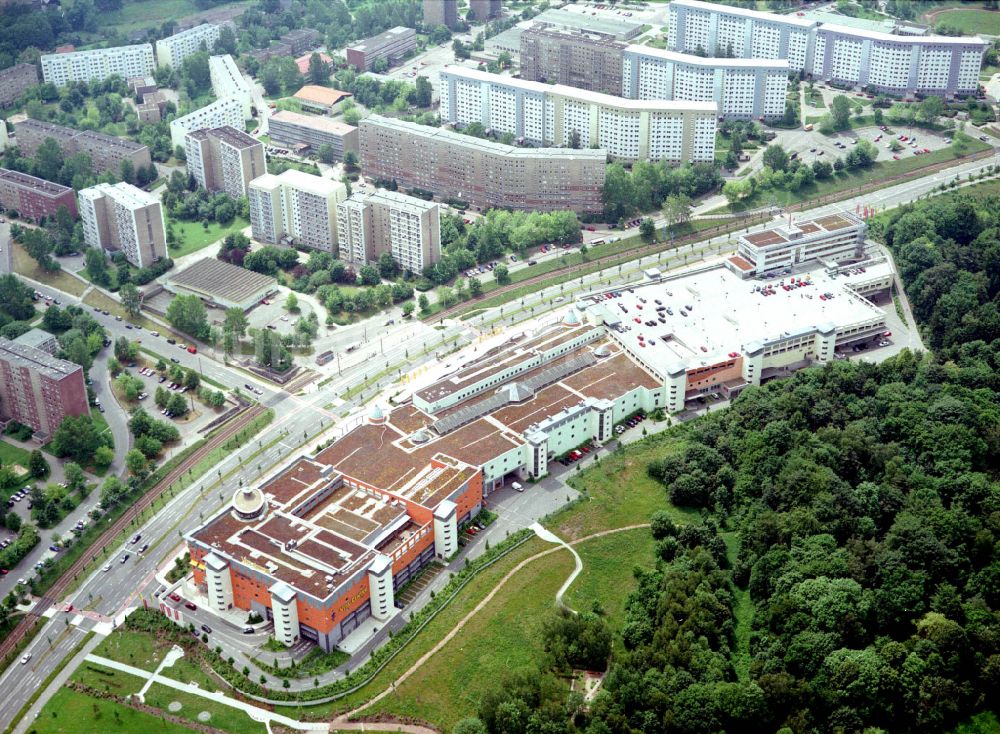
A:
(193, 350)
(107, 568)
(190, 605)
(175, 360)
(206, 629)
(171, 341)
(55, 548)
(248, 630)
(143, 548)
(174, 597)
(125, 557)
(25, 659)
(135, 538)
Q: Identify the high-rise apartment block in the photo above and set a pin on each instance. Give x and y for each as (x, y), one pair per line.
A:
(484, 10)
(544, 114)
(37, 389)
(106, 151)
(228, 81)
(123, 217)
(884, 62)
(391, 45)
(225, 111)
(485, 174)
(99, 63)
(441, 12)
(172, 50)
(296, 206)
(224, 159)
(15, 80)
(742, 88)
(32, 197)
(408, 228)
(572, 57)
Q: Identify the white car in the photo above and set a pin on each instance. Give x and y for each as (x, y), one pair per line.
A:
(25, 659)
(107, 568)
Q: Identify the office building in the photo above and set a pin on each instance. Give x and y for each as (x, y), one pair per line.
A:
(228, 81)
(484, 10)
(172, 50)
(124, 218)
(297, 208)
(37, 389)
(392, 45)
(408, 228)
(485, 174)
(572, 57)
(546, 114)
(321, 99)
(441, 12)
(106, 151)
(301, 40)
(742, 88)
(34, 198)
(221, 112)
(14, 80)
(224, 159)
(831, 239)
(855, 56)
(100, 63)
(307, 133)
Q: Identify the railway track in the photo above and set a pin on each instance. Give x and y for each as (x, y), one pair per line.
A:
(60, 586)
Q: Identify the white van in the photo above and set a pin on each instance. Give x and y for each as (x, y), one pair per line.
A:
(517, 487)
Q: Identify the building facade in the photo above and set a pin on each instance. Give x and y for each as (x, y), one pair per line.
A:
(485, 174)
(544, 114)
(224, 159)
(106, 151)
(228, 81)
(39, 390)
(391, 45)
(484, 10)
(32, 197)
(574, 58)
(172, 50)
(222, 112)
(295, 206)
(293, 129)
(124, 218)
(896, 64)
(15, 80)
(441, 12)
(408, 228)
(86, 66)
(742, 88)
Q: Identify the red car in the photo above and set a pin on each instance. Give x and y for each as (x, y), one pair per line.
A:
(190, 605)
(175, 597)
(193, 350)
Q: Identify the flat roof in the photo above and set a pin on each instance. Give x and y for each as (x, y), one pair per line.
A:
(584, 95)
(34, 183)
(744, 13)
(227, 134)
(728, 313)
(36, 360)
(220, 280)
(393, 199)
(320, 95)
(378, 42)
(314, 122)
(598, 23)
(780, 231)
(711, 63)
(909, 40)
(124, 193)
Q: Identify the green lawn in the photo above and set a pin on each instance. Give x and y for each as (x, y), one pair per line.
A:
(971, 20)
(133, 648)
(69, 712)
(193, 236)
(107, 680)
(186, 671)
(10, 454)
(221, 716)
(148, 13)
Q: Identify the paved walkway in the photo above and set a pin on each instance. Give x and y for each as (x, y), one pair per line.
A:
(549, 537)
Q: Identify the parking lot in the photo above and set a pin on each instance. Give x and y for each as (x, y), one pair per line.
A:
(813, 145)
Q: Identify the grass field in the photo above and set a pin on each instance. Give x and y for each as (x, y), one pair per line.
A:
(138, 14)
(133, 648)
(193, 236)
(69, 712)
(28, 266)
(104, 679)
(968, 20)
(221, 716)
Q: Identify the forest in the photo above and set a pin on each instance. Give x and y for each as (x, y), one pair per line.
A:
(862, 510)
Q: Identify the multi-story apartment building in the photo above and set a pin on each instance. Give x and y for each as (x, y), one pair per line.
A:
(391, 45)
(222, 112)
(441, 12)
(896, 64)
(301, 40)
(37, 389)
(312, 131)
(34, 198)
(15, 80)
(224, 159)
(544, 114)
(295, 206)
(228, 81)
(172, 50)
(408, 228)
(742, 88)
(572, 57)
(485, 174)
(484, 10)
(618, 28)
(106, 151)
(123, 217)
(100, 63)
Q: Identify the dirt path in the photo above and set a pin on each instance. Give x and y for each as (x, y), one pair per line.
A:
(343, 722)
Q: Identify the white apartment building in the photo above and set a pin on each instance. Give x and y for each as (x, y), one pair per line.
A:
(86, 66)
(897, 64)
(222, 112)
(296, 206)
(409, 228)
(742, 88)
(228, 81)
(123, 217)
(550, 114)
(172, 50)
